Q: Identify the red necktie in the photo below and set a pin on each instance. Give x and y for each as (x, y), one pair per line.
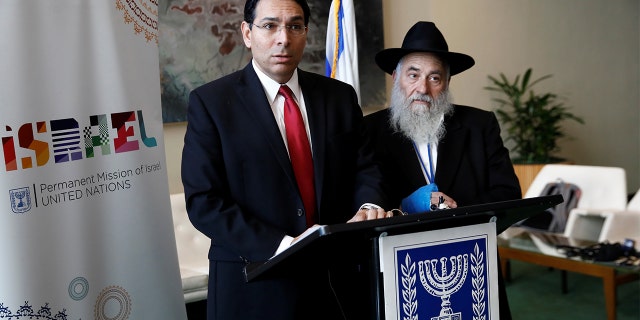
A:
(299, 152)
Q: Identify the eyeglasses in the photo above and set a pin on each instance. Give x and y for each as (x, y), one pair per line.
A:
(292, 29)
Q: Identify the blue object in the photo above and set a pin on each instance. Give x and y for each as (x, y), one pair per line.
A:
(420, 200)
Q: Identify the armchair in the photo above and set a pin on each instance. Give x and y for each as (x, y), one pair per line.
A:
(603, 189)
(622, 224)
(193, 249)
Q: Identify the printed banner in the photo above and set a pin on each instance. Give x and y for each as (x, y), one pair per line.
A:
(85, 220)
(448, 274)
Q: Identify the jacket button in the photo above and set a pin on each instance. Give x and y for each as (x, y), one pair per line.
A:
(300, 212)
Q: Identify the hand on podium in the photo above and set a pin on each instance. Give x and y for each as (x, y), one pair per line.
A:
(370, 211)
(427, 198)
(443, 201)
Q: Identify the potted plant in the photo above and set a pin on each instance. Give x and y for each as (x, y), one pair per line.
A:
(532, 121)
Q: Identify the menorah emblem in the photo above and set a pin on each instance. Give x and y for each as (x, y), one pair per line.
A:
(23, 203)
(444, 284)
(20, 195)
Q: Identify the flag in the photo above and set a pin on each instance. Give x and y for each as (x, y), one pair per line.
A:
(342, 44)
(85, 222)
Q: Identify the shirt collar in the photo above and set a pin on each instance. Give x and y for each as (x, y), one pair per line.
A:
(271, 87)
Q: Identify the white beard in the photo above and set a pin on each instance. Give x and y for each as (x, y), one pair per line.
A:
(421, 123)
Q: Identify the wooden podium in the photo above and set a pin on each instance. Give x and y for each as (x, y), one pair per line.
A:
(331, 245)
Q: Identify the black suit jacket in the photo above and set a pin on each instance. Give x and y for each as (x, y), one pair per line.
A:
(241, 191)
(473, 165)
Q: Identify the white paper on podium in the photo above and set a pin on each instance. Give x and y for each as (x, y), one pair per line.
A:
(441, 274)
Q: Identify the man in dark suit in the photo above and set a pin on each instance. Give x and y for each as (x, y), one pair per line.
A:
(241, 188)
(424, 141)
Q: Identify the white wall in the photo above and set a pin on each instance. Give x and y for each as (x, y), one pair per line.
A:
(592, 48)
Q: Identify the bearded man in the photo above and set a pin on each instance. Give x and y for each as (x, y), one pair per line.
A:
(424, 141)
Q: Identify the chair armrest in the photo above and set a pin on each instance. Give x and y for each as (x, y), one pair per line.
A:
(621, 225)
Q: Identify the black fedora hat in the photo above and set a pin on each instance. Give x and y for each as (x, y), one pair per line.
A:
(424, 37)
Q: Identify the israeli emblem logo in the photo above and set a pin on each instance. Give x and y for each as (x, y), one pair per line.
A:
(20, 199)
(443, 279)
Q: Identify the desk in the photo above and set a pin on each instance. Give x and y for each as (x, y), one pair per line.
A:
(539, 248)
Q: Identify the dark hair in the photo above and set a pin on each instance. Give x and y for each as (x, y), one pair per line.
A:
(250, 10)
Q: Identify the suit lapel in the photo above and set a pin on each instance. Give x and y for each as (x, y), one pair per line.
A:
(401, 150)
(253, 99)
(450, 151)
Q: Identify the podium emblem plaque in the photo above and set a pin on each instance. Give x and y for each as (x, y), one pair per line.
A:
(445, 274)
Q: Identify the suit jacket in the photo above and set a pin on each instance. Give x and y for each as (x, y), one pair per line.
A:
(473, 166)
(241, 191)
